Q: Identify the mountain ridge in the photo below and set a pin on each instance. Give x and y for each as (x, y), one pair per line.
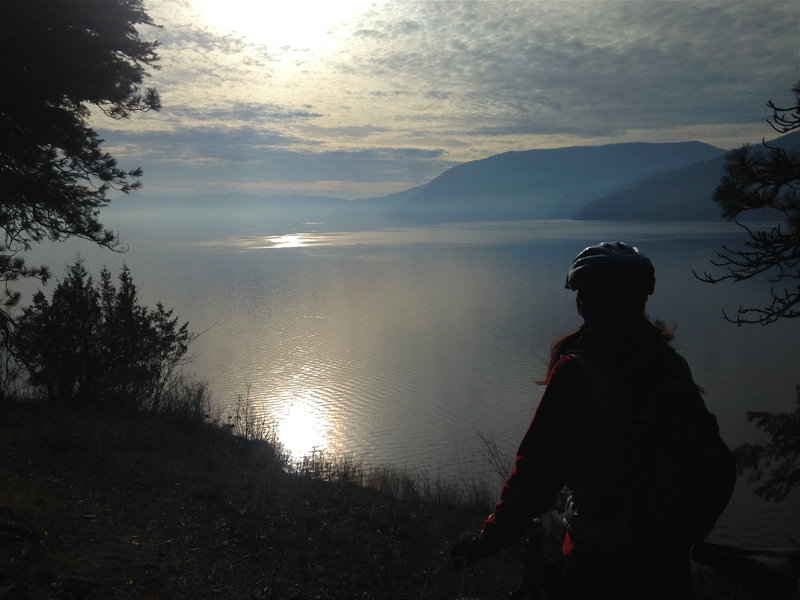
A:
(540, 183)
(678, 194)
(626, 181)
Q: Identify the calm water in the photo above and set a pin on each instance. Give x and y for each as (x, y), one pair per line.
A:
(405, 346)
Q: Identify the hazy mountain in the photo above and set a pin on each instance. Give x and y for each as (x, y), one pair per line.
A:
(678, 194)
(637, 181)
(535, 184)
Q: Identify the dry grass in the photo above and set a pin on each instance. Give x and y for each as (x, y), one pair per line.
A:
(101, 505)
(164, 506)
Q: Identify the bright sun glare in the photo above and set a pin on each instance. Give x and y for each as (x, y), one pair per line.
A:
(284, 26)
(290, 240)
(302, 426)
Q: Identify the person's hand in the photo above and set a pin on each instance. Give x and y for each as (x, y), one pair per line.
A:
(464, 551)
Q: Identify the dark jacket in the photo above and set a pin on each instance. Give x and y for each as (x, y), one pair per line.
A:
(579, 436)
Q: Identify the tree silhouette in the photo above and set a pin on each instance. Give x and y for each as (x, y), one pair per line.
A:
(60, 59)
(775, 466)
(94, 342)
(56, 340)
(756, 179)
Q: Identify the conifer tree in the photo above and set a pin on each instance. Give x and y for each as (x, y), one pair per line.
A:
(60, 60)
(754, 180)
(94, 342)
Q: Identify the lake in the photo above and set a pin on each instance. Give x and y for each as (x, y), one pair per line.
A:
(408, 345)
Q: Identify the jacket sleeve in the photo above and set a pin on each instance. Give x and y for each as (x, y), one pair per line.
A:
(547, 456)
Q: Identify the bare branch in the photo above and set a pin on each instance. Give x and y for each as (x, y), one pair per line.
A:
(757, 178)
(785, 119)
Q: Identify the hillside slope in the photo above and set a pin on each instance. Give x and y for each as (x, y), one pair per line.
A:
(135, 507)
(678, 194)
(550, 183)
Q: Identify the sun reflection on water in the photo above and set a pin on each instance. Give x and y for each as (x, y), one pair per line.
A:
(289, 240)
(302, 422)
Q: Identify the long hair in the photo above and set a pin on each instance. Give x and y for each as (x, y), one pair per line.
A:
(569, 341)
(558, 348)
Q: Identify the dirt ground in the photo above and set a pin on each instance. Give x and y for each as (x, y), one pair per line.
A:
(104, 506)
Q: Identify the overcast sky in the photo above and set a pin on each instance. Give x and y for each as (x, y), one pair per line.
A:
(360, 98)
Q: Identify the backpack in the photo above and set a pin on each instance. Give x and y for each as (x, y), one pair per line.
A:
(681, 474)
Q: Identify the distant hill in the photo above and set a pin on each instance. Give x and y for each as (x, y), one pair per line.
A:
(635, 181)
(678, 194)
(539, 184)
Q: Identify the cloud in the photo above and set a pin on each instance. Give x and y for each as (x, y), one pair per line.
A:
(253, 113)
(344, 132)
(249, 159)
(408, 88)
(631, 63)
(200, 144)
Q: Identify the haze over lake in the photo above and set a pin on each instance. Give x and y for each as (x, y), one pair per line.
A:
(405, 345)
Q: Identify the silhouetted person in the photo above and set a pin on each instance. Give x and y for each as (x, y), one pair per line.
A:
(582, 437)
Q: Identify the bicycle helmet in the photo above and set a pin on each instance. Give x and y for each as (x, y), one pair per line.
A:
(611, 263)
